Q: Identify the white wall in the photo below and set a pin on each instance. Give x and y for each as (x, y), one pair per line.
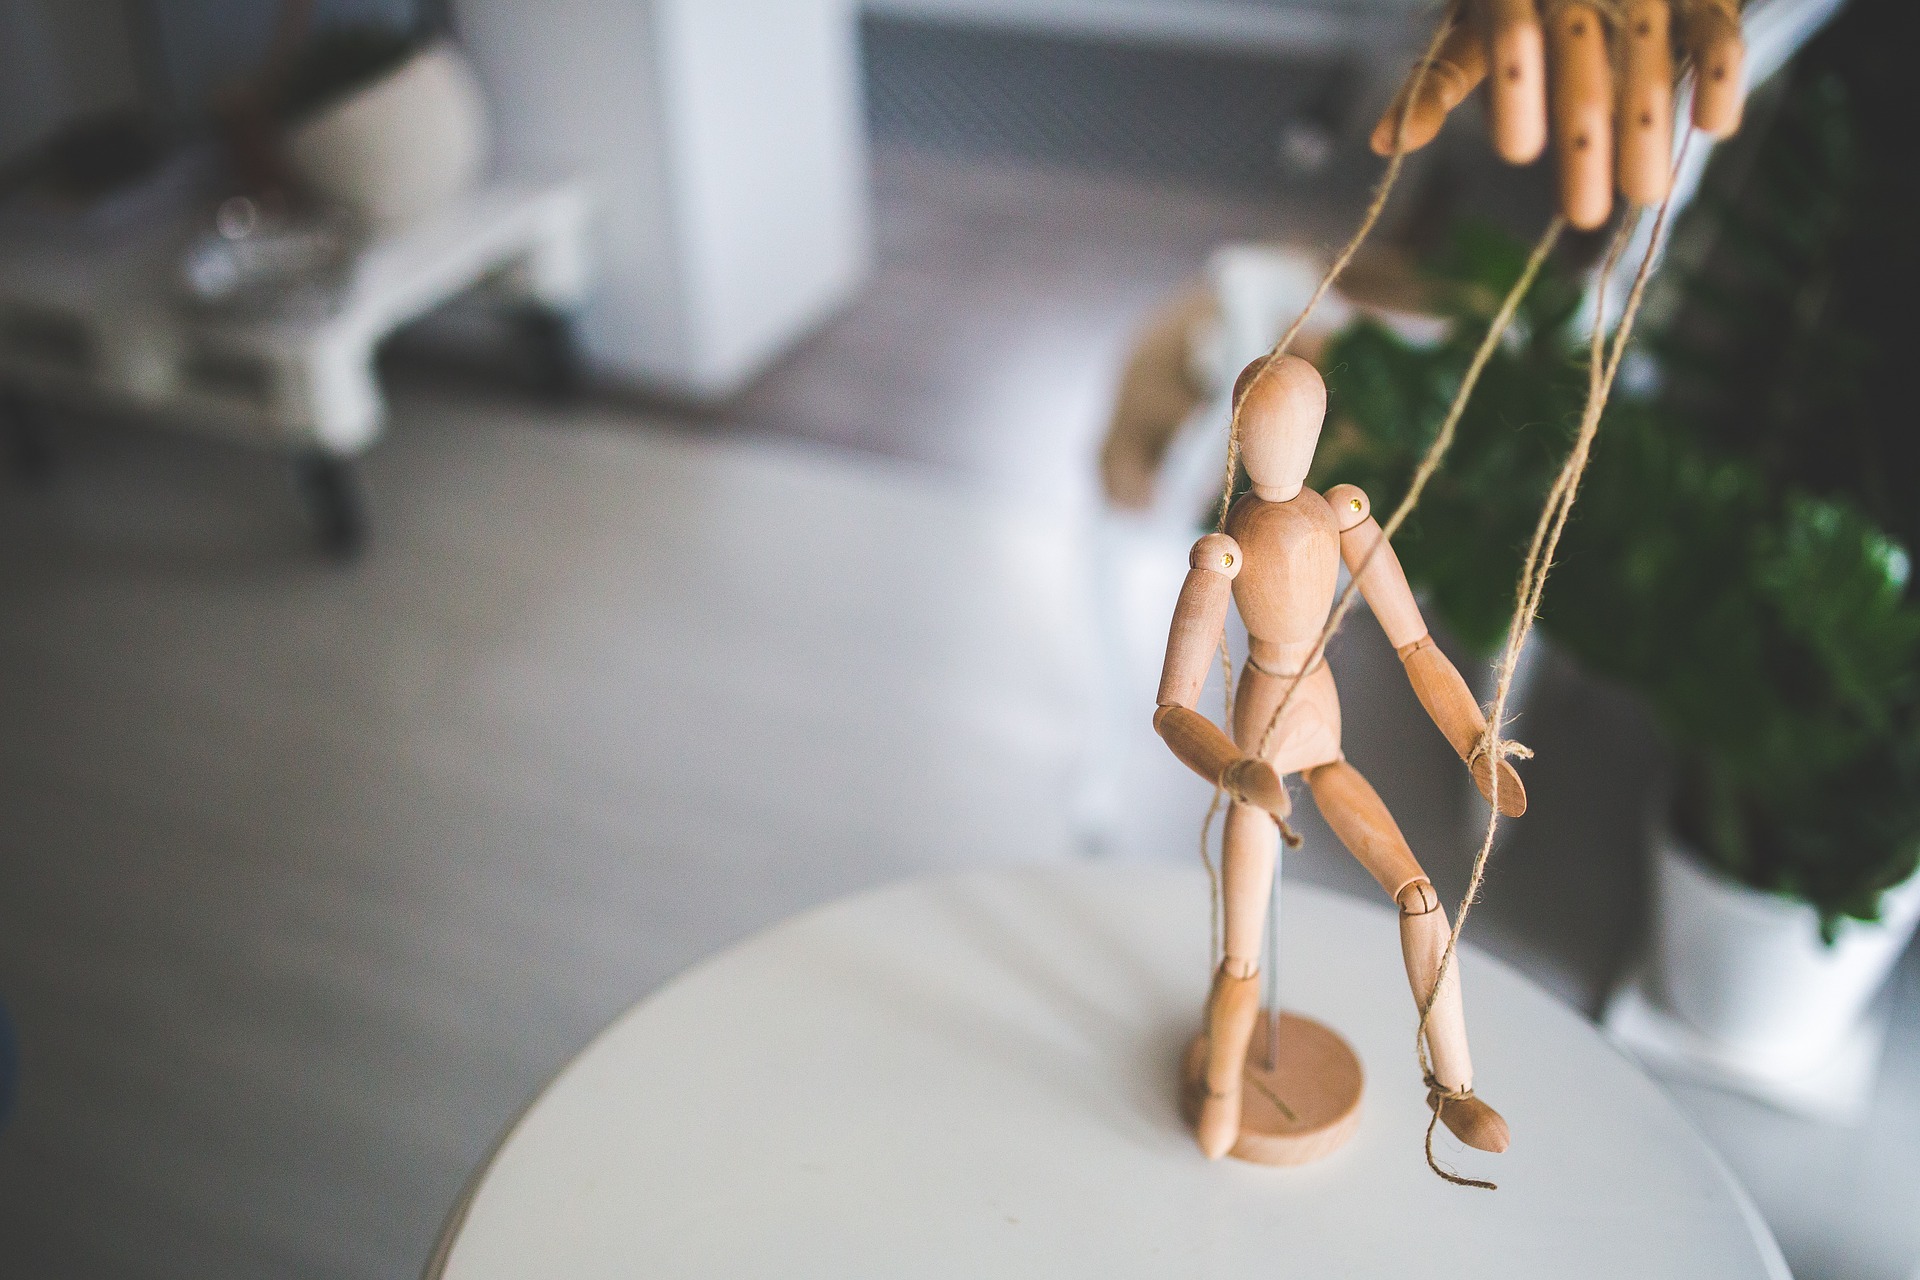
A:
(1282, 25)
(1376, 38)
(726, 144)
(768, 144)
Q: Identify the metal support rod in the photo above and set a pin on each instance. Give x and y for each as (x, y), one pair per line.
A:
(1273, 960)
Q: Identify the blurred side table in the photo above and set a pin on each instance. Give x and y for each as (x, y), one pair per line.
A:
(976, 1077)
(101, 318)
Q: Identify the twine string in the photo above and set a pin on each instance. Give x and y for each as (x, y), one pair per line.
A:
(1375, 206)
(1438, 1095)
(1532, 586)
(1429, 465)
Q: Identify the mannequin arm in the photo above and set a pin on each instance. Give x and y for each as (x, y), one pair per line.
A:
(1435, 680)
(1198, 620)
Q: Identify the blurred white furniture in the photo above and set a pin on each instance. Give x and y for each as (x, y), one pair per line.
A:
(411, 141)
(724, 143)
(102, 317)
(975, 1077)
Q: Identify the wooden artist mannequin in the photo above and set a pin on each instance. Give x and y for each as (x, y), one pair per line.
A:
(1279, 559)
(1600, 72)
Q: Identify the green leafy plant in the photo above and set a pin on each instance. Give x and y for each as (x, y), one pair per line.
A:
(1739, 553)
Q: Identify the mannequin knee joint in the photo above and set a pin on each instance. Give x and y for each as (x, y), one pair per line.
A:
(1418, 899)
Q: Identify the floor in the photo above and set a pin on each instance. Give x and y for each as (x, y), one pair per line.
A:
(309, 877)
(989, 345)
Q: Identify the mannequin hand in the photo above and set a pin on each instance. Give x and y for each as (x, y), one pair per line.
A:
(1513, 796)
(1258, 783)
(1557, 61)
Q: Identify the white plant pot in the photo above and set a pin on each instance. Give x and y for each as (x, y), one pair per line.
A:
(1748, 970)
(402, 146)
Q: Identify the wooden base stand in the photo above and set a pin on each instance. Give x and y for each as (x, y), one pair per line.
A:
(1317, 1077)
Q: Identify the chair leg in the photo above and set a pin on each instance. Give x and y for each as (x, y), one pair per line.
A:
(556, 355)
(336, 504)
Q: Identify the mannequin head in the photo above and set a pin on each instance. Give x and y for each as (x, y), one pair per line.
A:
(1282, 403)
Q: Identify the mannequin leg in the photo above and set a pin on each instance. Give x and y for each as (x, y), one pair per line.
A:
(1360, 818)
(1233, 1006)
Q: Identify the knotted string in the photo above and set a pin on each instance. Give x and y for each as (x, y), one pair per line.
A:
(1532, 586)
(1438, 1096)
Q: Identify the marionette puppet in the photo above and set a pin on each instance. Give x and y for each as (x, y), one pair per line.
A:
(1291, 1093)
(1279, 561)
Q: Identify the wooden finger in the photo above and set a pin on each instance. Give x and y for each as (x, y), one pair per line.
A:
(1454, 73)
(1517, 93)
(1713, 38)
(1646, 103)
(1582, 114)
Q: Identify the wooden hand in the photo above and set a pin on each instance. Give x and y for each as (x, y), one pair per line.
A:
(1552, 63)
(1448, 700)
(1202, 747)
(1513, 795)
(1257, 783)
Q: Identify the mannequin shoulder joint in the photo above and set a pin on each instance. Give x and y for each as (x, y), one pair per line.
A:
(1350, 505)
(1217, 553)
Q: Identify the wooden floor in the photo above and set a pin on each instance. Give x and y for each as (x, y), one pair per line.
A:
(991, 341)
(309, 877)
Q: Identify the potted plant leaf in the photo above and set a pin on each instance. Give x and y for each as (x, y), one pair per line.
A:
(1740, 553)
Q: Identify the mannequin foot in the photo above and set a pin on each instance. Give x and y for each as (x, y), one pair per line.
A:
(1231, 1009)
(1219, 1125)
(1472, 1121)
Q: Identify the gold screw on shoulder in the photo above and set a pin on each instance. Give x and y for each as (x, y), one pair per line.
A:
(1354, 503)
(1226, 561)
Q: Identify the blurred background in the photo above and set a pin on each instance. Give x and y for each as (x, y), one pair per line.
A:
(503, 501)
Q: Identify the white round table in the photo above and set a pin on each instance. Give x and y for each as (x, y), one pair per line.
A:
(976, 1077)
